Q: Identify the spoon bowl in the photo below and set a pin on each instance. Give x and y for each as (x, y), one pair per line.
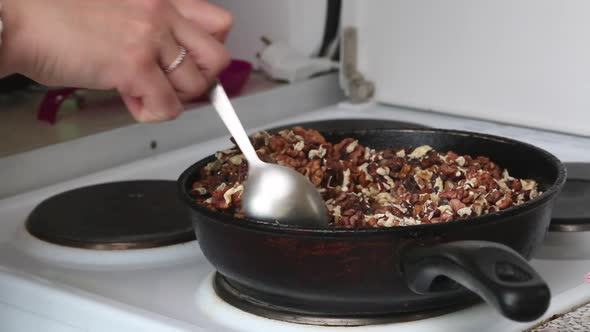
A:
(271, 192)
(279, 194)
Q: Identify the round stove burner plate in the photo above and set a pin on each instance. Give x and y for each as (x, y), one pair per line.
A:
(114, 216)
(571, 212)
(253, 306)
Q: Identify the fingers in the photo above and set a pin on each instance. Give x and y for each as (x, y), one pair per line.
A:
(215, 20)
(209, 55)
(187, 79)
(150, 97)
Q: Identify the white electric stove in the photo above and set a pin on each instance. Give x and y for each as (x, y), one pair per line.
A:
(457, 57)
(49, 287)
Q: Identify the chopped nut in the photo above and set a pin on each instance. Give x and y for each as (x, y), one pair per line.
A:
(299, 146)
(434, 197)
(363, 168)
(438, 184)
(336, 212)
(214, 166)
(228, 194)
(528, 184)
(503, 187)
(444, 208)
(473, 182)
(464, 212)
(423, 174)
(390, 183)
(352, 146)
(456, 204)
(478, 209)
(228, 151)
(460, 161)
(368, 153)
(420, 152)
(389, 222)
(384, 198)
(237, 159)
(370, 191)
(385, 219)
(399, 207)
(346, 180)
(319, 153)
(409, 221)
(505, 202)
(363, 187)
(383, 171)
(422, 177)
(200, 191)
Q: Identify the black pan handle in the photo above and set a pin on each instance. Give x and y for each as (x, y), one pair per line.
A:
(494, 271)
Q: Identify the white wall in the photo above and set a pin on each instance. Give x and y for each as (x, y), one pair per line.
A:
(518, 61)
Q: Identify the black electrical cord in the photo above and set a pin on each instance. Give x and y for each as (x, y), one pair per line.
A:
(336, 56)
(332, 25)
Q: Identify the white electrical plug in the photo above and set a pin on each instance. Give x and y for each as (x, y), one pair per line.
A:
(281, 62)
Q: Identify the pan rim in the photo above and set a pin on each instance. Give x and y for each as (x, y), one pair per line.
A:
(277, 228)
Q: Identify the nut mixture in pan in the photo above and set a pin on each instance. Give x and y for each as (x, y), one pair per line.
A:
(363, 187)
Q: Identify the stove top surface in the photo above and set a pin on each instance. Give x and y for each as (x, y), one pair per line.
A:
(171, 288)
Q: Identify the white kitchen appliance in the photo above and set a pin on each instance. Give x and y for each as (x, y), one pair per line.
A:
(169, 287)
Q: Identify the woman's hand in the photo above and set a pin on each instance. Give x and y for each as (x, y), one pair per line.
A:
(118, 44)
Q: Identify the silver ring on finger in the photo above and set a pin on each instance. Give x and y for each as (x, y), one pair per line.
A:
(177, 62)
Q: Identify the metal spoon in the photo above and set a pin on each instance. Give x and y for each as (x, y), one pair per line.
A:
(272, 192)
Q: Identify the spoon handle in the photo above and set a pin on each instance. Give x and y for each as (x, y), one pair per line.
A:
(229, 117)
